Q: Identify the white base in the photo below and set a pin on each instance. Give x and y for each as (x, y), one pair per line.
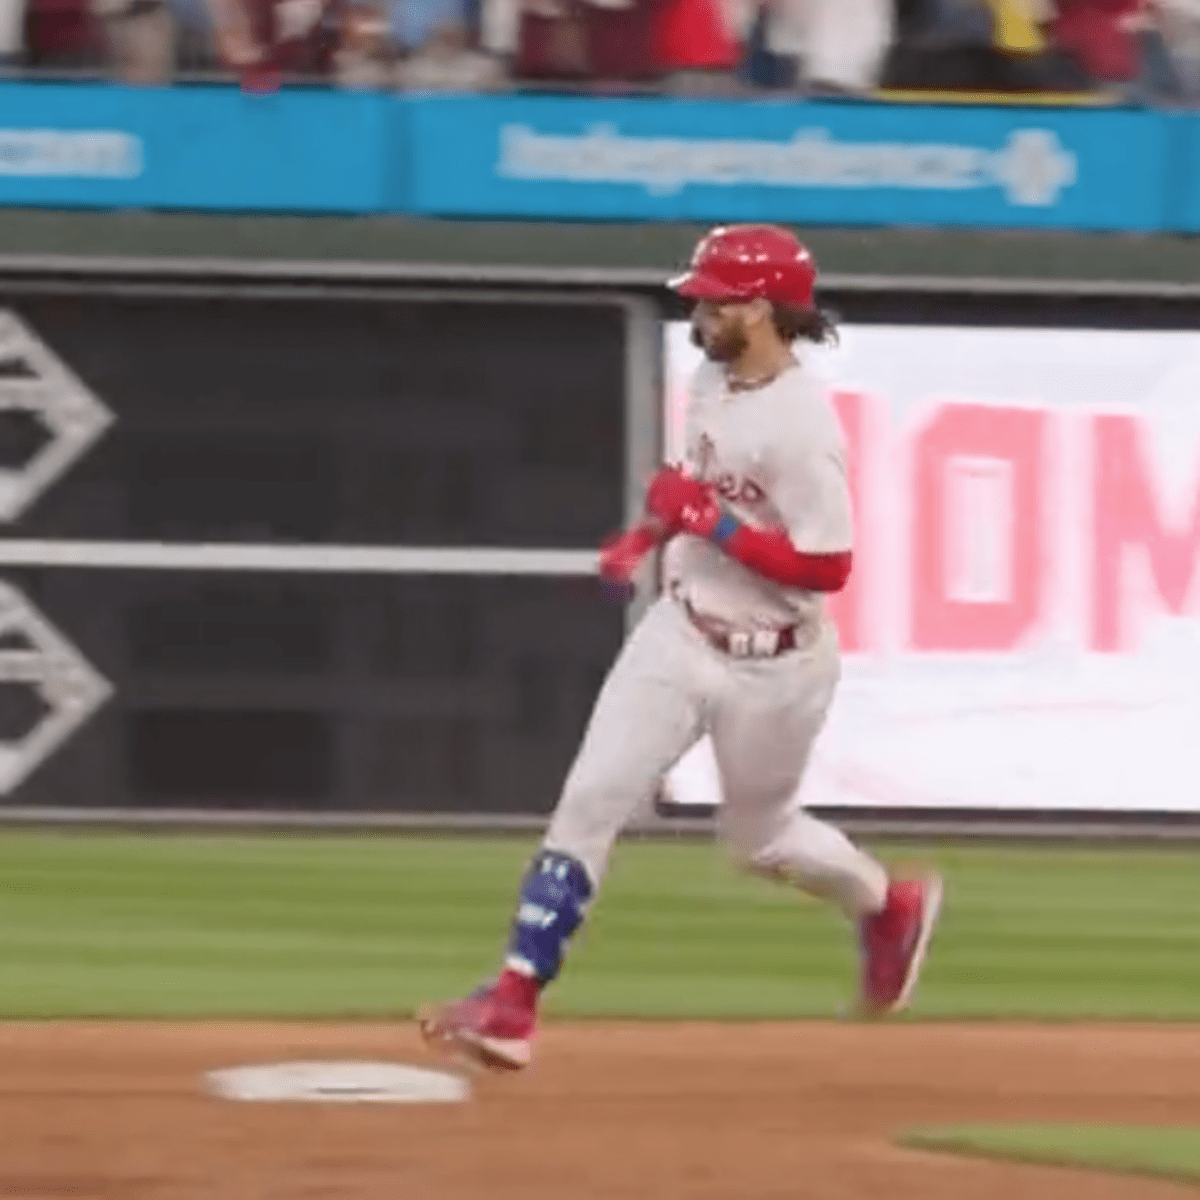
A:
(338, 1083)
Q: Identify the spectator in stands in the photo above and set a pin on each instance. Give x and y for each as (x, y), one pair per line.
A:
(1101, 36)
(838, 46)
(695, 48)
(1177, 23)
(981, 46)
(435, 51)
(12, 32)
(138, 39)
(365, 56)
(264, 40)
(195, 37)
(604, 44)
(238, 46)
(1131, 50)
(415, 45)
(448, 63)
(61, 35)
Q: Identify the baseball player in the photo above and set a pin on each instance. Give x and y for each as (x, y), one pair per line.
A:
(757, 527)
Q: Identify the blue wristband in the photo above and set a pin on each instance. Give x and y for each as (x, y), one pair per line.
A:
(724, 529)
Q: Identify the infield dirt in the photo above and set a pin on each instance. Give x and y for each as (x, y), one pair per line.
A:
(612, 1110)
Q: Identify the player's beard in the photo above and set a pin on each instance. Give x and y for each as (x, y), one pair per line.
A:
(725, 345)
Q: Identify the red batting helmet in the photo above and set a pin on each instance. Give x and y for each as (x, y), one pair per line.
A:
(750, 262)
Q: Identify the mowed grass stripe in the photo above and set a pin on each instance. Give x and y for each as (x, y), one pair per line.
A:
(343, 926)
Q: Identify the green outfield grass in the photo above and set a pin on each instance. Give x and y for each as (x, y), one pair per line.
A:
(1163, 1152)
(100, 924)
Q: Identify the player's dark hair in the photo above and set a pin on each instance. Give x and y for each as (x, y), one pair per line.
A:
(812, 324)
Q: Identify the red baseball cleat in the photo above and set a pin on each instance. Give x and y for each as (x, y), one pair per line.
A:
(893, 942)
(494, 1025)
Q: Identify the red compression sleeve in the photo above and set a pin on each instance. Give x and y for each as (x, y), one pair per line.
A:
(770, 553)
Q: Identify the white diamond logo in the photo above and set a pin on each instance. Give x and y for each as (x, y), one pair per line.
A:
(1034, 168)
(35, 380)
(34, 653)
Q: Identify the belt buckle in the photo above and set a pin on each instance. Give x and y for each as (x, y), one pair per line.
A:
(741, 644)
(765, 642)
(753, 643)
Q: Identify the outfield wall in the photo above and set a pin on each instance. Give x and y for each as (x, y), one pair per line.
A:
(279, 544)
(592, 157)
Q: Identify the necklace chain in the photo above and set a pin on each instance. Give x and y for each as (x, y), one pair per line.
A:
(747, 385)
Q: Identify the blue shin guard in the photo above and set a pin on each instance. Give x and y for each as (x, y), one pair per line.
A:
(553, 899)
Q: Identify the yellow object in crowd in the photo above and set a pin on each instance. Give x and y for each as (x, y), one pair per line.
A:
(1016, 26)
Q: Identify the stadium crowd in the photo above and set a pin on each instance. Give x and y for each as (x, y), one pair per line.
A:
(1123, 51)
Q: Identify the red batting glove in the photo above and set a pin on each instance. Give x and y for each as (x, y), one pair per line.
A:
(682, 503)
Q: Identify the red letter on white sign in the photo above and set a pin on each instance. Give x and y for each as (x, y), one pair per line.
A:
(1126, 514)
(977, 528)
(845, 608)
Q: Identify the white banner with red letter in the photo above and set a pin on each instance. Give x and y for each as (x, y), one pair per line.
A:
(1020, 630)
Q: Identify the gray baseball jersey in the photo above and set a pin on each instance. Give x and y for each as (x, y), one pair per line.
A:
(777, 457)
